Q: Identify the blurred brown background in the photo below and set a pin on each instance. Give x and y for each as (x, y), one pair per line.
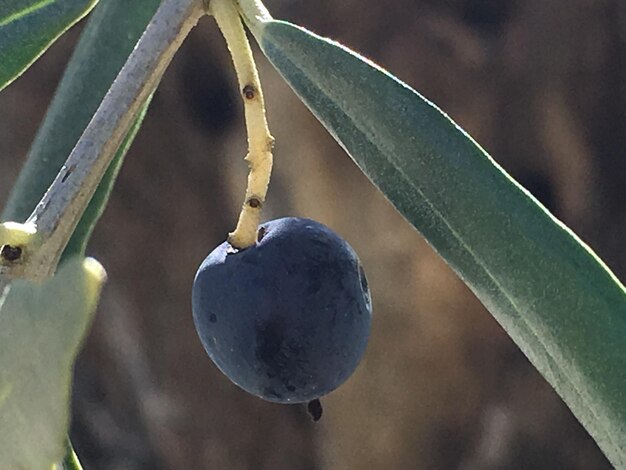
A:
(541, 84)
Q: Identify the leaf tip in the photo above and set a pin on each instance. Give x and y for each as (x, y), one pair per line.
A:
(95, 275)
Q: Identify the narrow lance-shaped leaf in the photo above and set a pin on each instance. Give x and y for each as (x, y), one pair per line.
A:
(557, 300)
(41, 328)
(28, 27)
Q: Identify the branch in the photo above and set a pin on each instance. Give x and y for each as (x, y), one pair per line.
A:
(59, 211)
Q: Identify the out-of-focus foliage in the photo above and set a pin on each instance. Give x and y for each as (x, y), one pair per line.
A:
(41, 329)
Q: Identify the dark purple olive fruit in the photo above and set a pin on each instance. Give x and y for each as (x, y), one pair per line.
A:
(287, 319)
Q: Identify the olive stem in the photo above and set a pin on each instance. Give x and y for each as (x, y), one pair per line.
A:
(260, 141)
(60, 209)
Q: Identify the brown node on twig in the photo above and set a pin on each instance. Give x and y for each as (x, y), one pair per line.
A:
(249, 91)
(11, 253)
(254, 202)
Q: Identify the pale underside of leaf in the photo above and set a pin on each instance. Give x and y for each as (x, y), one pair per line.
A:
(41, 329)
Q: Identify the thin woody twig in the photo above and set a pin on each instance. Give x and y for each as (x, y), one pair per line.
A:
(260, 141)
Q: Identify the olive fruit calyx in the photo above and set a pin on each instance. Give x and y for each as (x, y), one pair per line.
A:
(288, 318)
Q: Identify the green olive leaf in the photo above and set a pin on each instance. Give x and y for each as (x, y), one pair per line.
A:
(41, 329)
(29, 27)
(556, 299)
